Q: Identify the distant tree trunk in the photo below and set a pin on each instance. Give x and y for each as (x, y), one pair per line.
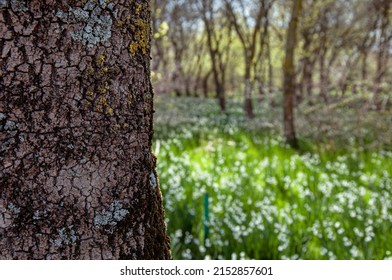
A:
(307, 68)
(248, 103)
(219, 81)
(308, 78)
(178, 73)
(205, 84)
(196, 85)
(364, 67)
(385, 36)
(270, 73)
(77, 174)
(260, 69)
(323, 79)
(215, 50)
(249, 40)
(322, 57)
(261, 87)
(364, 49)
(198, 76)
(347, 80)
(188, 91)
(289, 77)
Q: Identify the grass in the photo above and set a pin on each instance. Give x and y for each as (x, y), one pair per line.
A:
(332, 199)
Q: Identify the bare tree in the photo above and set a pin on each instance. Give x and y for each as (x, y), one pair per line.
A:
(263, 66)
(309, 32)
(247, 24)
(289, 84)
(383, 10)
(218, 32)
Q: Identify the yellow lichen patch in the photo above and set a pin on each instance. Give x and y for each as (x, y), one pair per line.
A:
(141, 37)
(103, 101)
(90, 94)
(91, 71)
(138, 8)
(116, 128)
(104, 88)
(133, 47)
(101, 58)
(109, 111)
(98, 108)
(130, 99)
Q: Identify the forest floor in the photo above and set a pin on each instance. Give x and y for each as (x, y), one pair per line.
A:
(331, 199)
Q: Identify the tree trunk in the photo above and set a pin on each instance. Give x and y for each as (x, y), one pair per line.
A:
(323, 49)
(323, 78)
(219, 85)
(77, 174)
(248, 103)
(270, 74)
(248, 81)
(261, 87)
(218, 76)
(383, 49)
(307, 68)
(289, 77)
(215, 53)
(308, 80)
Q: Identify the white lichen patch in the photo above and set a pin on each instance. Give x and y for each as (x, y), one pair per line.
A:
(111, 216)
(96, 19)
(153, 180)
(37, 215)
(13, 208)
(5, 217)
(6, 144)
(3, 3)
(16, 5)
(10, 126)
(66, 236)
(11, 129)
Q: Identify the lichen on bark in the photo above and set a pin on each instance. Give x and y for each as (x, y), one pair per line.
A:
(16, 5)
(111, 216)
(96, 20)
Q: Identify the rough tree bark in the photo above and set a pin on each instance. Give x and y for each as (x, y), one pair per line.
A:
(77, 175)
(289, 77)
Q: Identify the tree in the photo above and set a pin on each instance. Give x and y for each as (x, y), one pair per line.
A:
(289, 84)
(383, 8)
(308, 31)
(78, 177)
(264, 53)
(179, 36)
(248, 29)
(214, 22)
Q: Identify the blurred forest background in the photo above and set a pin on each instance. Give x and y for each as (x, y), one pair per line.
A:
(273, 127)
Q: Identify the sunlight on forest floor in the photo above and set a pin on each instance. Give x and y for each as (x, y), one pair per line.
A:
(332, 199)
